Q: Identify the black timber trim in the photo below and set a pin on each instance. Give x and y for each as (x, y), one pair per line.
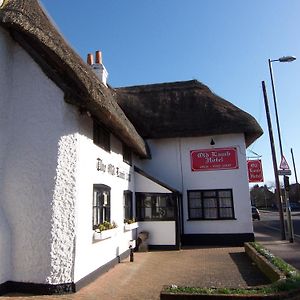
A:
(231, 239)
(36, 288)
(164, 247)
(58, 289)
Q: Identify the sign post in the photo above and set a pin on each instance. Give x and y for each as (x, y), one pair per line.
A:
(285, 171)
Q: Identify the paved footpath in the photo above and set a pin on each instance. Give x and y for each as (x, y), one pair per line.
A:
(144, 278)
(290, 252)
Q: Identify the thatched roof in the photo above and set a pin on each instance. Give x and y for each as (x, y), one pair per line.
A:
(184, 109)
(31, 28)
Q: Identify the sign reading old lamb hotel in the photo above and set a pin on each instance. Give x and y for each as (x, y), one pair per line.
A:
(90, 159)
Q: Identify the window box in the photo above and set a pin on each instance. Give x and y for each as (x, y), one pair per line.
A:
(105, 234)
(131, 226)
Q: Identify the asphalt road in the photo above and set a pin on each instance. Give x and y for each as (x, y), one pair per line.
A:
(271, 219)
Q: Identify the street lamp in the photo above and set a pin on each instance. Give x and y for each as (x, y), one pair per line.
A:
(281, 59)
(290, 226)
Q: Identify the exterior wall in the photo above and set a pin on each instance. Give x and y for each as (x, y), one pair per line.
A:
(171, 164)
(145, 185)
(37, 172)
(5, 79)
(160, 232)
(92, 254)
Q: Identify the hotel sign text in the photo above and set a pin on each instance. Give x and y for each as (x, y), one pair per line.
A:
(214, 159)
(112, 170)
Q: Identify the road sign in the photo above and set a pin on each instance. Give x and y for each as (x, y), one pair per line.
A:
(284, 172)
(283, 164)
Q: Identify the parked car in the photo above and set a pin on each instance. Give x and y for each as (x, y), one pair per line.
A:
(255, 213)
(295, 206)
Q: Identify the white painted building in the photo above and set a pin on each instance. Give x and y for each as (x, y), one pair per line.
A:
(73, 155)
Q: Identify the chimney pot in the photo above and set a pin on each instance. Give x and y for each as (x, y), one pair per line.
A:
(90, 59)
(98, 57)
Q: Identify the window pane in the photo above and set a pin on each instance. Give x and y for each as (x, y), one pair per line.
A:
(128, 209)
(210, 213)
(209, 193)
(101, 204)
(210, 202)
(226, 194)
(147, 202)
(225, 202)
(210, 208)
(196, 214)
(226, 213)
(194, 195)
(170, 212)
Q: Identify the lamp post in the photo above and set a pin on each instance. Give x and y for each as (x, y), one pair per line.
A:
(290, 225)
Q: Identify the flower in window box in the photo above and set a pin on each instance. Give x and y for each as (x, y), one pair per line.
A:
(104, 230)
(130, 224)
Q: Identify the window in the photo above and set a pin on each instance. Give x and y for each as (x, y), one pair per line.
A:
(128, 208)
(155, 207)
(101, 204)
(210, 204)
(127, 154)
(101, 136)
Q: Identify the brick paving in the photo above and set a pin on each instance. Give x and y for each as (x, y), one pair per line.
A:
(145, 277)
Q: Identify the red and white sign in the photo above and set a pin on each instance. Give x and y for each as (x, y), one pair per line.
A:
(255, 171)
(283, 164)
(214, 159)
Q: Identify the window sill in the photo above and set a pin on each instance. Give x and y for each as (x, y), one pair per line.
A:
(129, 227)
(105, 234)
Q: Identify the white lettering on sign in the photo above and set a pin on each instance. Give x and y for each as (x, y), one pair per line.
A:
(214, 159)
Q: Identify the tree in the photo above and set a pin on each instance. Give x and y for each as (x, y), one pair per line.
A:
(261, 196)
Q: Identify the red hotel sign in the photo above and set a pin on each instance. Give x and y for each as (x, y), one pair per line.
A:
(214, 159)
(255, 172)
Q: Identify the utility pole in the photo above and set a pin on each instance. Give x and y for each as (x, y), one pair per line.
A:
(294, 166)
(278, 189)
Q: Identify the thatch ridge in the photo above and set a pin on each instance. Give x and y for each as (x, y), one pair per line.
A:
(184, 109)
(29, 26)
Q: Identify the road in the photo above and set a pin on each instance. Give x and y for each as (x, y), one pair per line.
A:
(271, 220)
(267, 232)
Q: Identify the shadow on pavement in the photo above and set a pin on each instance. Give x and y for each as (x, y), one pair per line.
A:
(248, 270)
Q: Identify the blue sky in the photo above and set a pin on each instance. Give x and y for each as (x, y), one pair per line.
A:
(223, 43)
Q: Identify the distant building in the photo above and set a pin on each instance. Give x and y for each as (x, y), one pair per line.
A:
(76, 153)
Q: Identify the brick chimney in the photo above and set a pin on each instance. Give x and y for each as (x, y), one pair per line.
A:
(98, 66)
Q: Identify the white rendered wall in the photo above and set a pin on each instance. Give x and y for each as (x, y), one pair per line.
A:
(91, 254)
(171, 164)
(145, 185)
(160, 232)
(5, 79)
(38, 167)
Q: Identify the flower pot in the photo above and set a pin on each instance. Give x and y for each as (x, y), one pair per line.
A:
(105, 234)
(131, 226)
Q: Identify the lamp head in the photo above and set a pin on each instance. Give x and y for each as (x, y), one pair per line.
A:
(287, 58)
